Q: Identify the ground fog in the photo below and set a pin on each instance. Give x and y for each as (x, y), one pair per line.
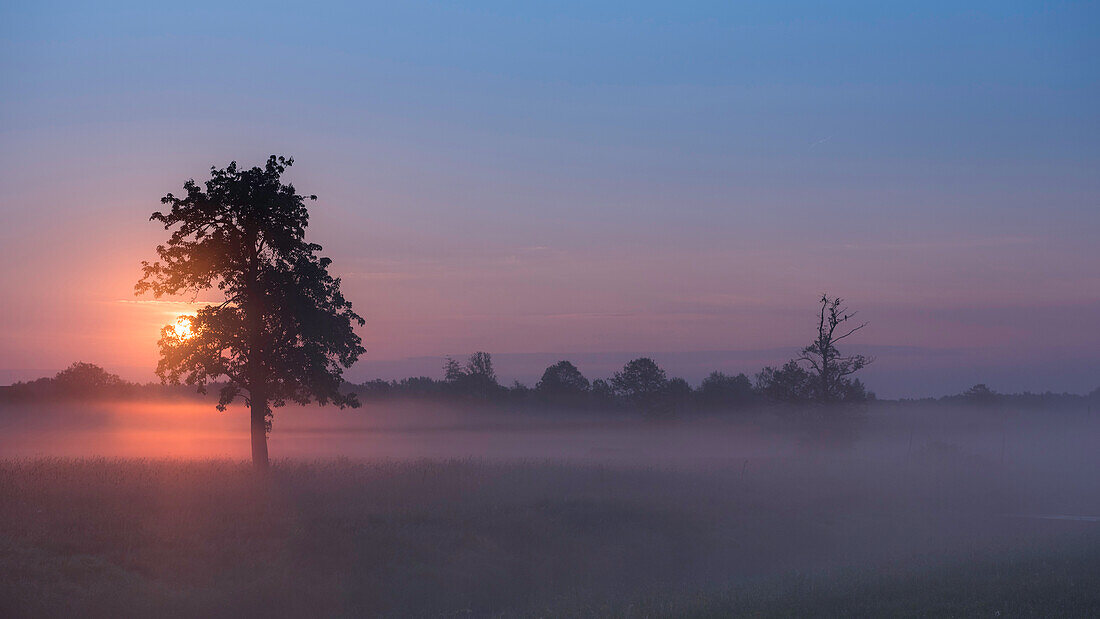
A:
(408, 509)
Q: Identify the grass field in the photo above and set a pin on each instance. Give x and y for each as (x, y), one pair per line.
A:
(823, 536)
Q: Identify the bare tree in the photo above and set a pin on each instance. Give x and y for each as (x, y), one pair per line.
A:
(830, 368)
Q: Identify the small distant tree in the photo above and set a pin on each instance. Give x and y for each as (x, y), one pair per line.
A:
(980, 395)
(720, 390)
(563, 383)
(452, 370)
(481, 364)
(830, 368)
(789, 383)
(641, 382)
(86, 378)
(284, 331)
(476, 378)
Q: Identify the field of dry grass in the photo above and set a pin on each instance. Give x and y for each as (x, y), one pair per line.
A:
(813, 535)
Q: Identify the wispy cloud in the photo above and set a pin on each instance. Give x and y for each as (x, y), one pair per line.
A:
(821, 141)
(941, 244)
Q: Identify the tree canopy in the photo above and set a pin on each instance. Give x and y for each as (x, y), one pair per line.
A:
(475, 378)
(563, 378)
(788, 383)
(640, 380)
(81, 377)
(719, 389)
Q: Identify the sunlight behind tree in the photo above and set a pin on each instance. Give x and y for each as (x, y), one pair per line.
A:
(284, 331)
(182, 328)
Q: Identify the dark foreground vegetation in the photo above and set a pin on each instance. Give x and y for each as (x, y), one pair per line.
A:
(936, 535)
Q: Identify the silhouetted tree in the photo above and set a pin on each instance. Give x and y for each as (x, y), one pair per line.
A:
(678, 393)
(789, 383)
(980, 395)
(641, 382)
(284, 330)
(563, 377)
(476, 378)
(720, 390)
(481, 364)
(452, 370)
(86, 378)
(830, 368)
(854, 390)
(563, 384)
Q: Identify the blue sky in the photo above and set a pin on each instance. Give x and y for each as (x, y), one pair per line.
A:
(582, 177)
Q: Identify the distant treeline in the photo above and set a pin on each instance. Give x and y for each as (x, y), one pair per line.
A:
(88, 380)
(642, 385)
(982, 396)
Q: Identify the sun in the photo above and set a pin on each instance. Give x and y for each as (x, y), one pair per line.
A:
(182, 327)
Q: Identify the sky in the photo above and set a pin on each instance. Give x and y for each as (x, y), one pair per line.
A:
(580, 180)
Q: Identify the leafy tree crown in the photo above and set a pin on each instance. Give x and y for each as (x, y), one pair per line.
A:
(639, 378)
(563, 378)
(284, 329)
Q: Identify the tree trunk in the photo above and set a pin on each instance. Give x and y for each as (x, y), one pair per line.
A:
(259, 435)
(256, 377)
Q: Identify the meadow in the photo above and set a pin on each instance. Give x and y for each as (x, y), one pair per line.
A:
(952, 516)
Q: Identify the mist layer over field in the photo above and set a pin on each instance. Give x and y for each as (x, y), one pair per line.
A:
(402, 430)
(439, 511)
(183, 428)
